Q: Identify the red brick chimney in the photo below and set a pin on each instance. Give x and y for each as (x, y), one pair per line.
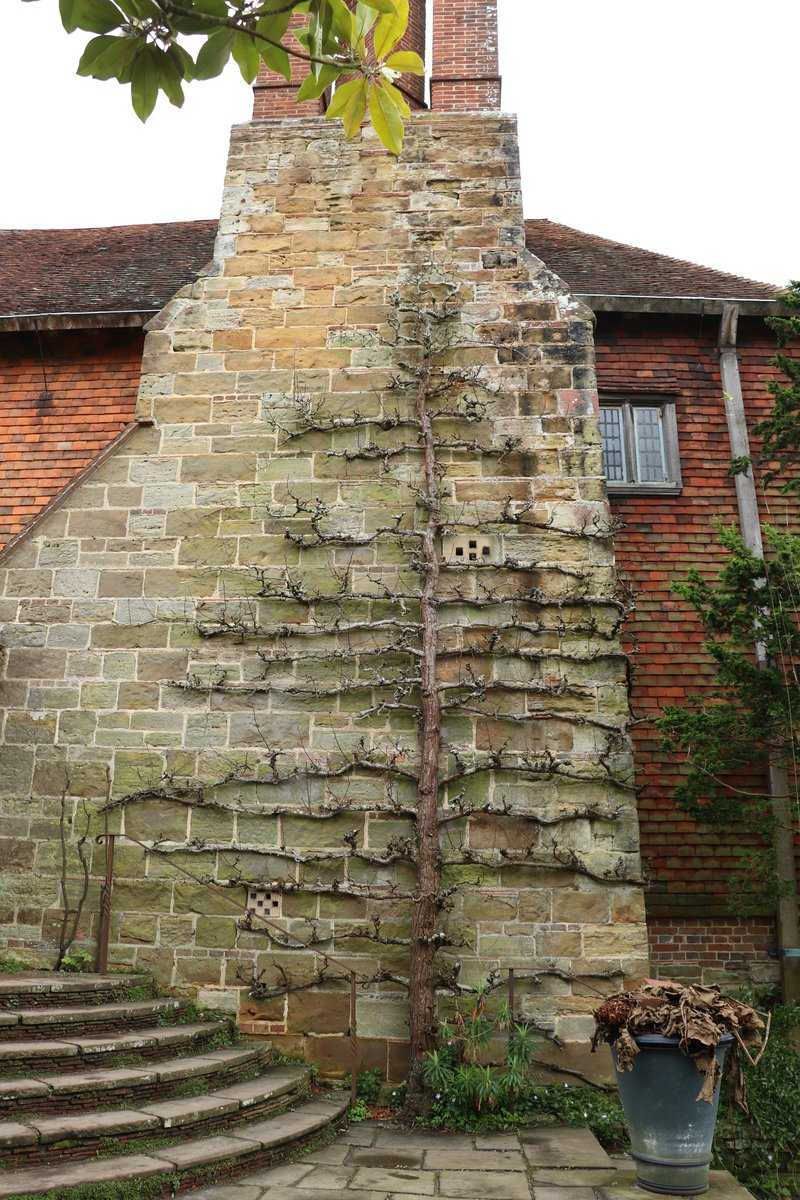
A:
(466, 72)
(273, 97)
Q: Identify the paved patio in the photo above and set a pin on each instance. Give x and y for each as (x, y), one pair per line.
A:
(382, 1162)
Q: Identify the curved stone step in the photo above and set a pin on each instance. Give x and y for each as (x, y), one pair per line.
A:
(185, 1163)
(150, 1044)
(31, 1024)
(48, 989)
(29, 1140)
(46, 1094)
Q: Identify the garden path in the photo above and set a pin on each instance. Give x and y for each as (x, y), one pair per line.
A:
(374, 1161)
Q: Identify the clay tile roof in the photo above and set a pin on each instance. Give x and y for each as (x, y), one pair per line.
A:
(595, 266)
(137, 268)
(124, 268)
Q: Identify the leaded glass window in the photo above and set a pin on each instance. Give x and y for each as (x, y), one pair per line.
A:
(640, 444)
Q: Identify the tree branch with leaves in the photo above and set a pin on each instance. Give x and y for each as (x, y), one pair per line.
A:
(147, 45)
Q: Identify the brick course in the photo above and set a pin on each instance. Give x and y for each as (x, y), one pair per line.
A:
(713, 949)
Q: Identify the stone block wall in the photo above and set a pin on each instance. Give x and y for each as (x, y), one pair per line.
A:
(146, 626)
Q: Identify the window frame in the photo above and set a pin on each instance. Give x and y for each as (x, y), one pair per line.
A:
(670, 445)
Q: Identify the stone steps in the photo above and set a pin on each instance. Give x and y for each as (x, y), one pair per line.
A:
(30, 990)
(30, 1140)
(186, 1163)
(44, 1094)
(48, 1023)
(151, 1044)
(111, 1096)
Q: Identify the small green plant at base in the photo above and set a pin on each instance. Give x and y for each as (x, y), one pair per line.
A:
(358, 1111)
(397, 1096)
(369, 1084)
(77, 960)
(466, 1090)
(11, 965)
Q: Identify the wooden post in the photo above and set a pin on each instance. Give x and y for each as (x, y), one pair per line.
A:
(104, 929)
(353, 1041)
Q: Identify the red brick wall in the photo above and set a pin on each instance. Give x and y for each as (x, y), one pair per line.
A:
(465, 73)
(92, 378)
(712, 948)
(274, 97)
(689, 866)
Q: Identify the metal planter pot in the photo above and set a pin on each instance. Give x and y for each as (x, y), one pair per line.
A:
(671, 1131)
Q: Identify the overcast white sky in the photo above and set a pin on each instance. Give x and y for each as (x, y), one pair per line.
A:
(670, 124)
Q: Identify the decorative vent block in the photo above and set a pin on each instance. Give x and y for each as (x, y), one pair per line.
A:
(471, 548)
(263, 902)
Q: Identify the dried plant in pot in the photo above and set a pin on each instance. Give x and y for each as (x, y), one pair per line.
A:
(670, 1046)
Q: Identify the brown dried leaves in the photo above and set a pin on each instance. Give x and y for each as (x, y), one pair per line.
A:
(698, 1017)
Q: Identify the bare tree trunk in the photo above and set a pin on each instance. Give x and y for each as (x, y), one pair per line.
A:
(422, 984)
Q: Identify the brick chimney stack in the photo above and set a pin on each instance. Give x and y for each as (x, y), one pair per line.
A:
(273, 97)
(466, 72)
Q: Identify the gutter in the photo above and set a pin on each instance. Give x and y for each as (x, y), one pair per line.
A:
(100, 318)
(748, 306)
(750, 524)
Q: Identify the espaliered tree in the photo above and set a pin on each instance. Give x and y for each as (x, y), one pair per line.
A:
(143, 44)
(447, 668)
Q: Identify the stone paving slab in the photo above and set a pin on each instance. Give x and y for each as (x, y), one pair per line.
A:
(386, 1157)
(395, 1182)
(489, 1185)
(575, 1177)
(563, 1147)
(375, 1162)
(474, 1160)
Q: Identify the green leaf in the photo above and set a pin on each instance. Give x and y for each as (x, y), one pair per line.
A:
(212, 8)
(399, 99)
(365, 19)
(67, 11)
(95, 16)
(144, 83)
(94, 50)
(343, 21)
(108, 57)
(183, 60)
(353, 115)
(246, 55)
(170, 79)
(277, 60)
(341, 98)
(390, 29)
(386, 119)
(214, 54)
(313, 86)
(350, 103)
(139, 10)
(382, 6)
(408, 62)
(274, 27)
